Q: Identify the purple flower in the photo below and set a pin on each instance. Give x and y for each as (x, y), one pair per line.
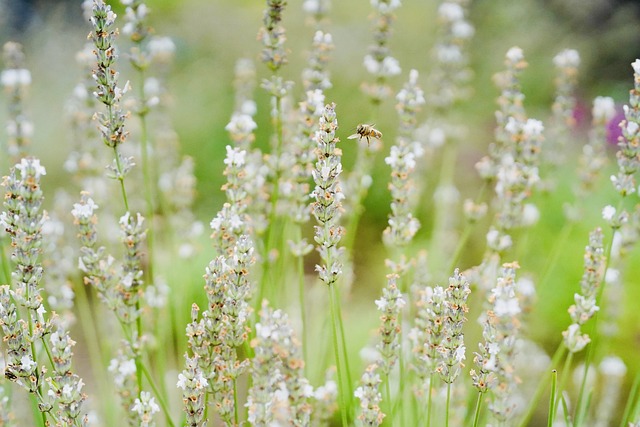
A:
(614, 132)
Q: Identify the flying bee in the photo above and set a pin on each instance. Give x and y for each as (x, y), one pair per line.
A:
(366, 131)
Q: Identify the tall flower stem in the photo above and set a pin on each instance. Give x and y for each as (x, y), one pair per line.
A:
(445, 180)
(594, 328)
(147, 182)
(136, 27)
(631, 400)
(336, 349)
(302, 301)
(533, 402)
(476, 411)
(430, 399)
(91, 335)
(446, 409)
(563, 378)
(6, 267)
(387, 396)
(274, 227)
(553, 404)
(555, 254)
(123, 190)
(274, 55)
(326, 208)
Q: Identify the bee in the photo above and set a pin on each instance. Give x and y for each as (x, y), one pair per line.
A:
(366, 131)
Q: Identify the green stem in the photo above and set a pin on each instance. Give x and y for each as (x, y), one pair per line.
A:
(387, 398)
(429, 399)
(466, 233)
(565, 410)
(583, 383)
(38, 417)
(401, 381)
(138, 338)
(148, 184)
(553, 403)
(121, 178)
(6, 266)
(476, 417)
(633, 392)
(447, 169)
(91, 334)
(334, 326)
(555, 253)
(462, 241)
(565, 375)
(533, 403)
(363, 166)
(446, 409)
(267, 273)
(345, 356)
(302, 302)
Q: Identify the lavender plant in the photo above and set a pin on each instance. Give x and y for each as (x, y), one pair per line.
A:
(27, 331)
(271, 335)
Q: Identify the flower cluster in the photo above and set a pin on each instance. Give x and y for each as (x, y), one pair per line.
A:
(145, 406)
(120, 287)
(231, 221)
(316, 75)
(242, 125)
(628, 154)
(223, 326)
(452, 349)
(23, 220)
(390, 305)
(370, 397)
(594, 156)
(317, 8)
(112, 124)
(136, 26)
(85, 161)
(131, 285)
(328, 197)
(517, 173)
(402, 160)
(16, 80)
(297, 159)
(427, 334)
(379, 62)
(65, 387)
(438, 345)
(513, 157)
(511, 105)
(495, 357)
(585, 302)
(280, 392)
(254, 171)
(194, 389)
(272, 35)
(567, 63)
(451, 73)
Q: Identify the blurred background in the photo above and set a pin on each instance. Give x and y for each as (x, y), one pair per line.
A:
(211, 35)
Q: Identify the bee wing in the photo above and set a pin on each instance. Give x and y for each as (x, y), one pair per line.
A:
(354, 136)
